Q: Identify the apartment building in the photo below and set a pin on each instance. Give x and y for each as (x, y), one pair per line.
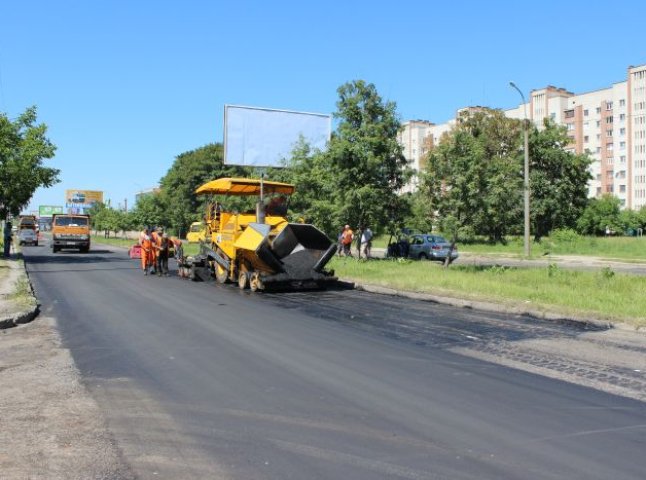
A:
(609, 124)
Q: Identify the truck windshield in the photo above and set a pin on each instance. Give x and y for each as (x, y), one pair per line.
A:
(71, 221)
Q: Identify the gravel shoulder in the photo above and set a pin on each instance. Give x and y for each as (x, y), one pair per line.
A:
(50, 427)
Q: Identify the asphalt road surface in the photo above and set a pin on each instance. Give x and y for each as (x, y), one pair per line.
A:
(199, 380)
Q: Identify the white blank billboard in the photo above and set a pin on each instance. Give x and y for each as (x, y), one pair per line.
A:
(262, 137)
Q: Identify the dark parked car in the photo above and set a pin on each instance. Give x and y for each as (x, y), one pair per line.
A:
(427, 246)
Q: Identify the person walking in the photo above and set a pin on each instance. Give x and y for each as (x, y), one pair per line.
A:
(162, 248)
(146, 251)
(7, 238)
(178, 253)
(366, 241)
(346, 240)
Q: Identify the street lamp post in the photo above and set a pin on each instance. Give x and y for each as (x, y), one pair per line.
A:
(526, 176)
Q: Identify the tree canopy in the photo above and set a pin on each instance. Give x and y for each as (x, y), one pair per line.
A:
(23, 148)
(474, 177)
(190, 170)
(558, 180)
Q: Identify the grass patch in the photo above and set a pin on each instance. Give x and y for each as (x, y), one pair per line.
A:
(189, 248)
(22, 295)
(601, 294)
(115, 241)
(622, 248)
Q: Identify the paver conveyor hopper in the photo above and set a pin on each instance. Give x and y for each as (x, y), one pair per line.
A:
(260, 249)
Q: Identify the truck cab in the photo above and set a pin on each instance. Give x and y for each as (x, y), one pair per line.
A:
(71, 231)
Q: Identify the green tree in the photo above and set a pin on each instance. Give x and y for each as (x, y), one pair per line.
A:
(314, 200)
(630, 221)
(149, 212)
(23, 147)
(600, 214)
(558, 180)
(190, 170)
(366, 158)
(472, 179)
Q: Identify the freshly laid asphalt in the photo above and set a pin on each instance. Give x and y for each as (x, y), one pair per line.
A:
(199, 380)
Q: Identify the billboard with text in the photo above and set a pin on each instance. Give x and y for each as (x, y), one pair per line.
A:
(49, 210)
(80, 201)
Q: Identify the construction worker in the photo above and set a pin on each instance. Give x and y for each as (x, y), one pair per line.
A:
(178, 254)
(162, 247)
(346, 239)
(155, 237)
(146, 251)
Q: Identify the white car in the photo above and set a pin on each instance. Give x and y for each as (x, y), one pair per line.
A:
(28, 236)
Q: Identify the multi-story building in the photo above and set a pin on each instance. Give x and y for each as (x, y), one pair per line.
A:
(609, 124)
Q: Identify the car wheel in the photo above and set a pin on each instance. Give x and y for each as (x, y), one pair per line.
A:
(35, 244)
(54, 249)
(423, 256)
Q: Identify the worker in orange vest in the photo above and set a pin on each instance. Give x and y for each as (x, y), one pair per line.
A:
(146, 251)
(155, 236)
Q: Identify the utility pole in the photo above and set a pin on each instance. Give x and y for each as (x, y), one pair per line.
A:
(526, 175)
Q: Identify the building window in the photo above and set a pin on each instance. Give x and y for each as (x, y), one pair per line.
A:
(622, 131)
(622, 102)
(609, 147)
(598, 123)
(622, 117)
(622, 158)
(622, 146)
(609, 119)
(586, 139)
(608, 133)
(598, 109)
(569, 113)
(585, 112)
(570, 126)
(608, 105)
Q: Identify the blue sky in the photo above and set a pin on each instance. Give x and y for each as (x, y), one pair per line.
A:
(126, 86)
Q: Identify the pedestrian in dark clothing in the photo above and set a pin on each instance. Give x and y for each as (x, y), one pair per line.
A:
(163, 247)
(7, 238)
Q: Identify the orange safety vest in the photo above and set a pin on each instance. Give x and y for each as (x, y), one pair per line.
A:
(346, 238)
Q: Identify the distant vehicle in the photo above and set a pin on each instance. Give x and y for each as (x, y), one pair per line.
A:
(71, 231)
(28, 236)
(424, 246)
(28, 221)
(196, 233)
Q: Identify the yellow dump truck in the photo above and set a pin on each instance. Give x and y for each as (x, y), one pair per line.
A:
(260, 249)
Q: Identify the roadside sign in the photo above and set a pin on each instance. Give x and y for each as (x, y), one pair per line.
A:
(49, 210)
